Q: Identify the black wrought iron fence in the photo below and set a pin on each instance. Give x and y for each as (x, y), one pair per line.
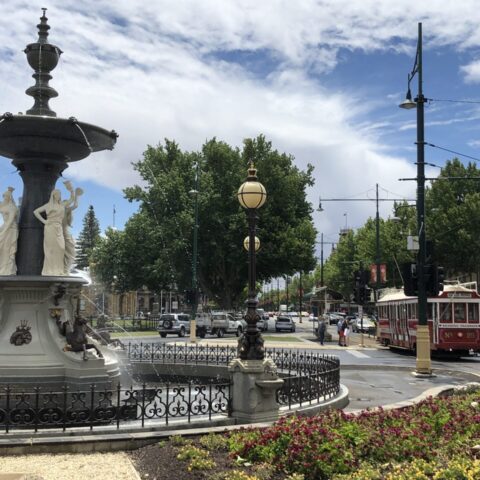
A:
(308, 375)
(67, 408)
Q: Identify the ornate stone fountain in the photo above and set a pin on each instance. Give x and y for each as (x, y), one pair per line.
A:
(40, 330)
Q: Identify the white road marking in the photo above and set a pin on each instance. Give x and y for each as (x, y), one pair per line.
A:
(357, 354)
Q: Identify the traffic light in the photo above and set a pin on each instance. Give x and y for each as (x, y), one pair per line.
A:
(410, 280)
(439, 278)
(429, 279)
(189, 297)
(361, 290)
(364, 295)
(434, 285)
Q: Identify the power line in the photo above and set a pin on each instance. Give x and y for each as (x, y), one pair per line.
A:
(453, 151)
(451, 101)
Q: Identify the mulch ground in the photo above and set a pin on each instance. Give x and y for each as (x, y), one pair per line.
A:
(159, 462)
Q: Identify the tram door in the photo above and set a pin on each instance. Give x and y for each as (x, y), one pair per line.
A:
(392, 319)
(406, 332)
(432, 314)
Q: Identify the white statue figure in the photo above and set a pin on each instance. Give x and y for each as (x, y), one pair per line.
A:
(53, 237)
(67, 222)
(8, 234)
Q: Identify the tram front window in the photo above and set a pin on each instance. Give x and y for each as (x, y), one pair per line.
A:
(445, 312)
(473, 312)
(459, 310)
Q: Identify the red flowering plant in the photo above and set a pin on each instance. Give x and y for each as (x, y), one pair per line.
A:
(337, 443)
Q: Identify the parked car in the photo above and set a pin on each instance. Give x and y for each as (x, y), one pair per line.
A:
(203, 321)
(284, 322)
(334, 317)
(176, 323)
(262, 324)
(365, 325)
(223, 322)
(219, 324)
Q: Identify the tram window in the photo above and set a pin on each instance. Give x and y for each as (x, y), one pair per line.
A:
(473, 312)
(459, 311)
(414, 310)
(429, 310)
(445, 312)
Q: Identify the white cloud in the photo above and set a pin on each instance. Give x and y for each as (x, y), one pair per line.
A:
(160, 69)
(472, 72)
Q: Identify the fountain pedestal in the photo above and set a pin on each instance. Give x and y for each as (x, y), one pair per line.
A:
(255, 384)
(32, 349)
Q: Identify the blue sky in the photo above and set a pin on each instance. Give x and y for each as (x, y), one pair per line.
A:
(321, 79)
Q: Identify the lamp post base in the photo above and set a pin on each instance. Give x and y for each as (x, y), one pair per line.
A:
(424, 365)
(250, 346)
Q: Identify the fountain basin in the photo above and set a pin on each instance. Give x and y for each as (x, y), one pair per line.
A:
(27, 136)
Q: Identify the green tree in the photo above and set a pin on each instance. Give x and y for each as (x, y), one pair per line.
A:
(158, 238)
(87, 239)
(359, 249)
(109, 261)
(453, 218)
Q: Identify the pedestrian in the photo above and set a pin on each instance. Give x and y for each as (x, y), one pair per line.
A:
(322, 327)
(340, 332)
(346, 333)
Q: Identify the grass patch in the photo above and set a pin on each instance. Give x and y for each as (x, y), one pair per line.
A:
(144, 333)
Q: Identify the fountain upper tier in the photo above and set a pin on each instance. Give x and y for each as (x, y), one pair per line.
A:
(40, 146)
(31, 136)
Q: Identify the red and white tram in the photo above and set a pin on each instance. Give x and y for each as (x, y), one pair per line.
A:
(453, 320)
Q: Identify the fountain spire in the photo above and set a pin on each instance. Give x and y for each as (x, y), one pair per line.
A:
(43, 58)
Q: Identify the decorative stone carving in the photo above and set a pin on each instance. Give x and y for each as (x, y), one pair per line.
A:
(22, 335)
(8, 234)
(77, 337)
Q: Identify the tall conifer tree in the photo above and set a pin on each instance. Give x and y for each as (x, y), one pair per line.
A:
(87, 239)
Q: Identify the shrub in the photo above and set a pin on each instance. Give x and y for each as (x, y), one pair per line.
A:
(178, 440)
(214, 442)
(201, 464)
(188, 452)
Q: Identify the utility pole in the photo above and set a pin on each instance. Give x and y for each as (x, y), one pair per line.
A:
(423, 365)
(377, 249)
(193, 324)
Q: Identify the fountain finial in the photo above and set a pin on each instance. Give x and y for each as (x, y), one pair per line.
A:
(43, 58)
(43, 28)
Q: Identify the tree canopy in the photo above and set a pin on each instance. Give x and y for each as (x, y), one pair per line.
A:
(453, 218)
(156, 243)
(452, 206)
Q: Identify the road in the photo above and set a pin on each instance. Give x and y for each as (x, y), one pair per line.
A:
(372, 354)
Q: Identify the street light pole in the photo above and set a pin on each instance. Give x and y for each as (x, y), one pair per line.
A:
(423, 364)
(377, 249)
(251, 195)
(194, 192)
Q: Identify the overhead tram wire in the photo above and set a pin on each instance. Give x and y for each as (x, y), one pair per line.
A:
(451, 101)
(453, 151)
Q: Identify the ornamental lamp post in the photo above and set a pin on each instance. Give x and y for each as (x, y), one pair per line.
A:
(251, 195)
(423, 365)
(246, 244)
(193, 321)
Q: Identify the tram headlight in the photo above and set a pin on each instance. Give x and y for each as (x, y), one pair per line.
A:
(460, 334)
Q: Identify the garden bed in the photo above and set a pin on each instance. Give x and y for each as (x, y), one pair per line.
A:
(436, 439)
